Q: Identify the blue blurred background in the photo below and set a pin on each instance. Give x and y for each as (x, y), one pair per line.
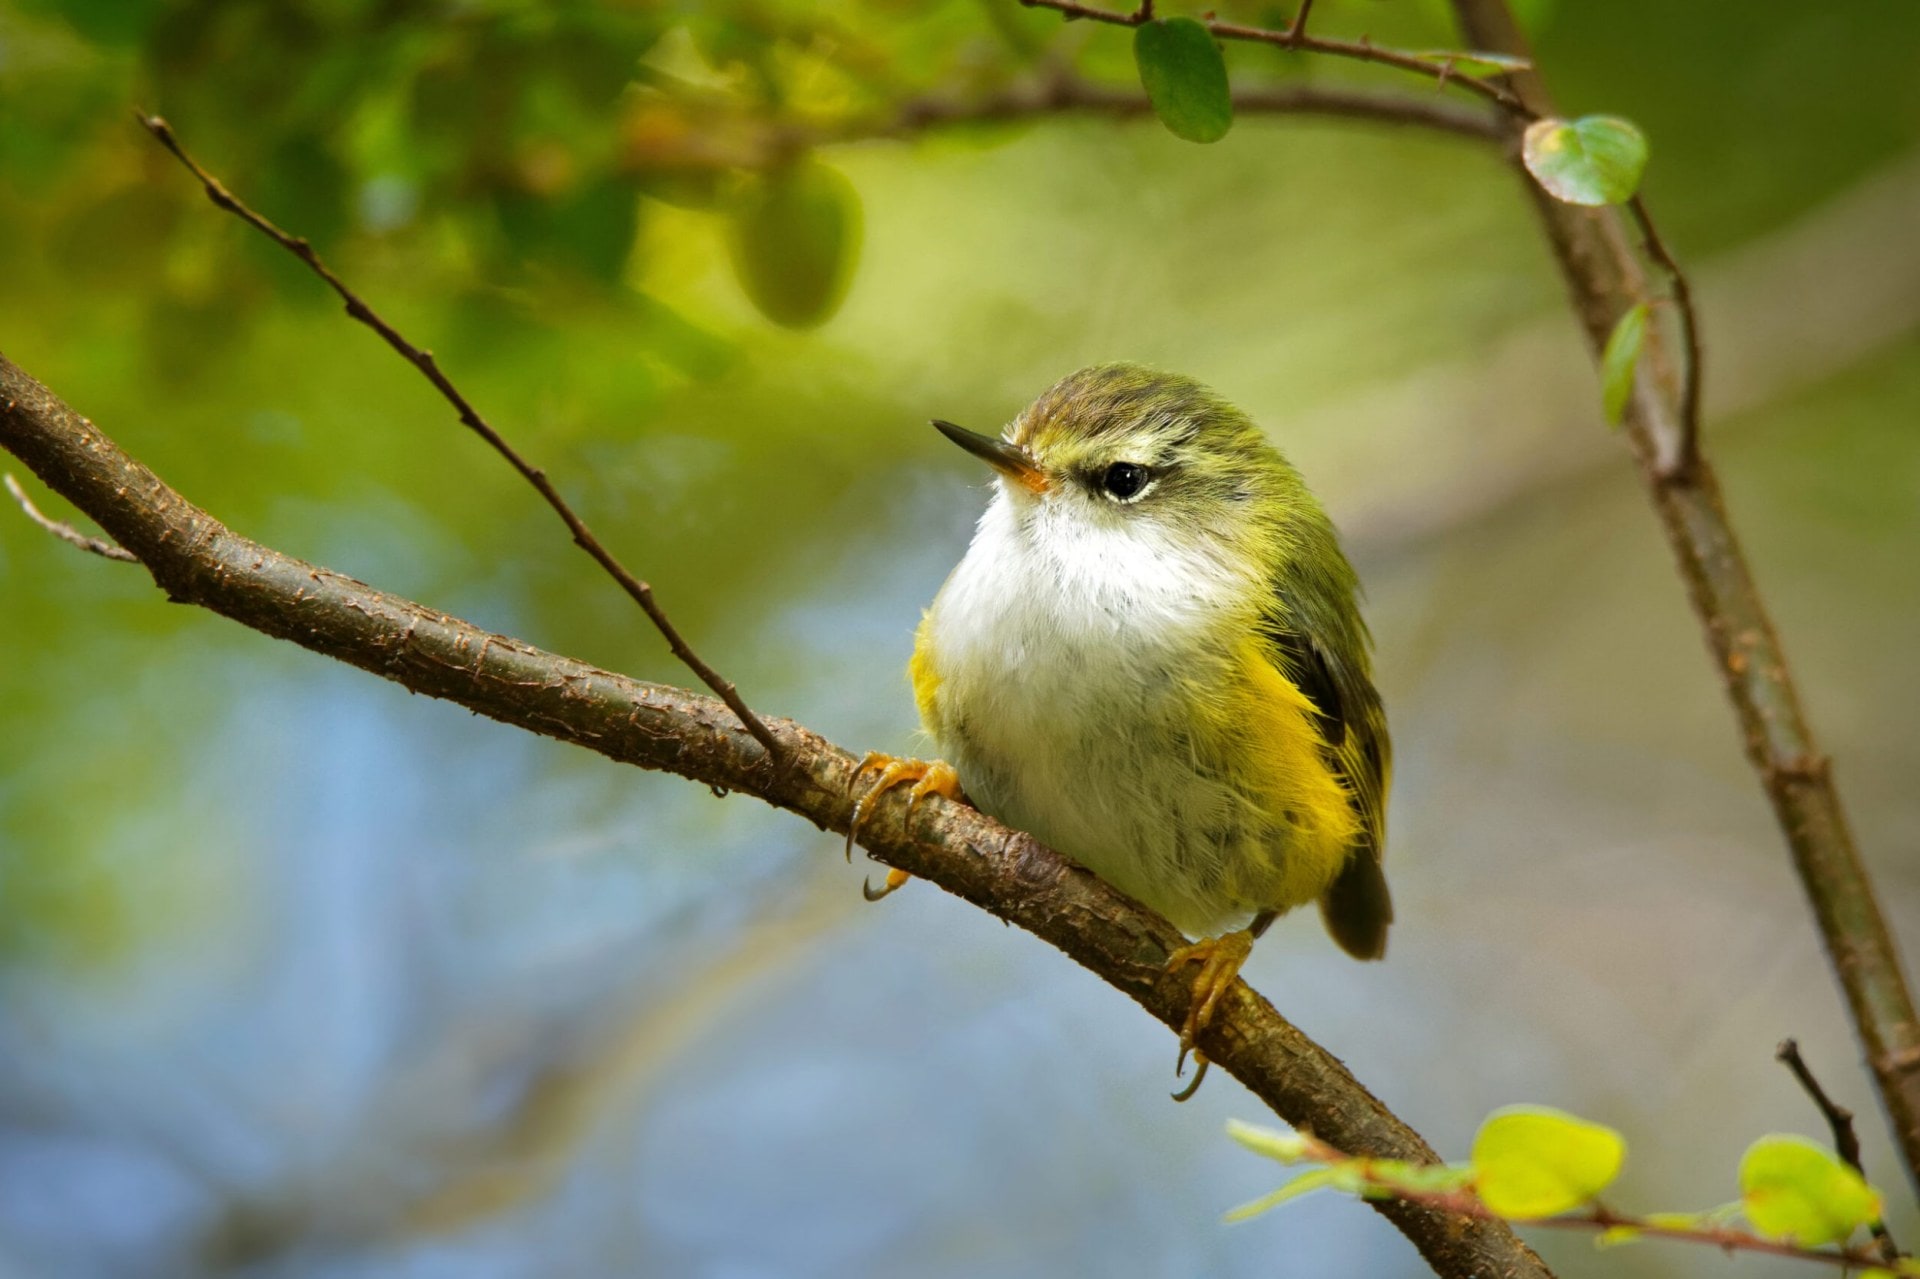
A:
(300, 975)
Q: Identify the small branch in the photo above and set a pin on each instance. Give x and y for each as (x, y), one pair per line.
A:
(583, 537)
(197, 560)
(1846, 1142)
(1597, 1218)
(1724, 1238)
(1296, 37)
(1687, 453)
(66, 532)
(1297, 29)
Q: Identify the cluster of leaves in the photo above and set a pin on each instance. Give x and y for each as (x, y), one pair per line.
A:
(1593, 160)
(533, 139)
(1537, 1164)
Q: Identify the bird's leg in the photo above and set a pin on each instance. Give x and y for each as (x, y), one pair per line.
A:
(929, 777)
(1220, 959)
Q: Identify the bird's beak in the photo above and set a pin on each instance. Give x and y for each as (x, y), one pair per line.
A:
(1009, 459)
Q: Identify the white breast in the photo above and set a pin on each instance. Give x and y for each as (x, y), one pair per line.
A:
(1070, 643)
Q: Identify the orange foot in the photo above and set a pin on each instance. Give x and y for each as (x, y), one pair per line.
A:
(933, 777)
(1219, 959)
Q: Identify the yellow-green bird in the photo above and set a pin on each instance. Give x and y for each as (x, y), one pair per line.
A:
(1151, 658)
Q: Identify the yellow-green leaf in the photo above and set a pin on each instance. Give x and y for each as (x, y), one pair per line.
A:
(1798, 1190)
(795, 234)
(1533, 1161)
(1300, 1185)
(1185, 77)
(1621, 358)
(1597, 159)
(1287, 1147)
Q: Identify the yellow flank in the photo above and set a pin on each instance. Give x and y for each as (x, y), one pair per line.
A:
(1268, 729)
(926, 680)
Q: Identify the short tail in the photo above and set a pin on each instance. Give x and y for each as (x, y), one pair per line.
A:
(1358, 907)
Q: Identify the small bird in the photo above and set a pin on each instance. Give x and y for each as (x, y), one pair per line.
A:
(1151, 658)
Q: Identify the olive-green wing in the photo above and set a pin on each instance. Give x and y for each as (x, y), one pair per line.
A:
(1321, 644)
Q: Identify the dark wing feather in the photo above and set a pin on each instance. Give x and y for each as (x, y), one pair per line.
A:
(1321, 645)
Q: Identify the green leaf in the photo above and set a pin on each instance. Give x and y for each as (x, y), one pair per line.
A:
(1597, 159)
(795, 234)
(1287, 1147)
(1306, 1181)
(1532, 1161)
(1473, 64)
(1620, 359)
(1795, 1189)
(1185, 77)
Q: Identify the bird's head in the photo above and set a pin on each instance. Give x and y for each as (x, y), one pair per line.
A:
(1119, 442)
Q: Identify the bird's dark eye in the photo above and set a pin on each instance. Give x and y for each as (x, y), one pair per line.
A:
(1124, 479)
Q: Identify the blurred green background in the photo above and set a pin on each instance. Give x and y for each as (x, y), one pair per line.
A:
(302, 976)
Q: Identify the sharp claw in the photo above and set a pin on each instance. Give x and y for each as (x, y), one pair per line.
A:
(1200, 1059)
(895, 878)
(936, 778)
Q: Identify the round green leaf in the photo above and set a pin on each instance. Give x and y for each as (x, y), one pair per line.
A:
(1185, 77)
(1618, 361)
(1532, 1161)
(1597, 159)
(1796, 1189)
(795, 234)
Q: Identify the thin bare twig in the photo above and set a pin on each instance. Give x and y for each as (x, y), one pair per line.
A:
(66, 532)
(1846, 1142)
(1296, 37)
(423, 360)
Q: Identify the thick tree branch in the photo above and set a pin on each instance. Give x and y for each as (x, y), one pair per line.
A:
(1604, 279)
(641, 592)
(197, 560)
